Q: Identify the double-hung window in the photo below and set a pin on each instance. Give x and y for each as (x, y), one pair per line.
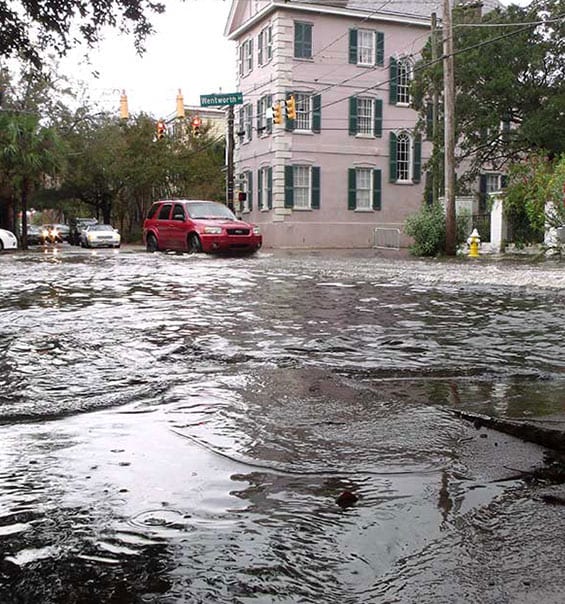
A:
(366, 47)
(264, 123)
(308, 112)
(246, 186)
(246, 57)
(364, 189)
(302, 40)
(400, 79)
(265, 45)
(302, 187)
(405, 158)
(265, 188)
(245, 123)
(365, 116)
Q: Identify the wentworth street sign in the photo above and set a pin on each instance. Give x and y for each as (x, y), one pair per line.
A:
(230, 98)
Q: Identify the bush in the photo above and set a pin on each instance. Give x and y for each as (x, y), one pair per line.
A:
(427, 229)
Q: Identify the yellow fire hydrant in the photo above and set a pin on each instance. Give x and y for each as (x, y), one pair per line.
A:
(474, 241)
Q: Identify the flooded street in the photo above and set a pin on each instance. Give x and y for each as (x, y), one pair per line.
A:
(178, 428)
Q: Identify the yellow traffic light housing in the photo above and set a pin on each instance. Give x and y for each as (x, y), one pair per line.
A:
(291, 108)
(161, 127)
(277, 113)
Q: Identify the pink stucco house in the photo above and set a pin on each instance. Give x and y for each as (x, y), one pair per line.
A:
(348, 170)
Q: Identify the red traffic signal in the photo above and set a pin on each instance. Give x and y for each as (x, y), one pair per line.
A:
(161, 128)
(196, 123)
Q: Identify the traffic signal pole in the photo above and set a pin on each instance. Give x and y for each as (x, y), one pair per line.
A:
(230, 160)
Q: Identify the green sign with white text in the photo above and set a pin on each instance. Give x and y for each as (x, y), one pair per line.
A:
(231, 98)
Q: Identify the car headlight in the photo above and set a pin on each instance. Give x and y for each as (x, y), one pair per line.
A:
(256, 230)
(213, 230)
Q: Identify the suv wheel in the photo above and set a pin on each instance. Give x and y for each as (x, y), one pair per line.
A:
(152, 245)
(194, 244)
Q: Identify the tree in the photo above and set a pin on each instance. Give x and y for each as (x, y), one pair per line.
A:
(29, 154)
(509, 82)
(28, 28)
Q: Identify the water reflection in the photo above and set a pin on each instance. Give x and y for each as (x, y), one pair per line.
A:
(180, 428)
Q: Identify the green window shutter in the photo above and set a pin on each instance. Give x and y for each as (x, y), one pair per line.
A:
(417, 159)
(505, 131)
(317, 113)
(258, 117)
(352, 115)
(392, 158)
(315, 202)
(260, 200)
(288, 124)
(353, 46)
(378, 125)
(288, 187)
(352, 189)
(250, 191)
(380, 48)
(269, 121)
(377, 189)
(270, 188)
(393, 86)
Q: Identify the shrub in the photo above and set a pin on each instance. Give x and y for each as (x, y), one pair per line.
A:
(427, 229)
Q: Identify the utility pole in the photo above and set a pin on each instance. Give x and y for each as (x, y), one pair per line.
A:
(435, 117)
(229, 160)
(449, 127)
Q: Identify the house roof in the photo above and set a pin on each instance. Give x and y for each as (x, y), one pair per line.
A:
(402, 10)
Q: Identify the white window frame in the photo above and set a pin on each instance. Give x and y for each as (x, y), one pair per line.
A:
(265, 45)
(403, 81)
(365, 123)
(246, 189)
(404, 157)
(364, 194)
(247, 122)
(492, 178)
(366, 51)
(302, 187)
(304, 112)
(265, 102)
(264, 197)
(245, 57)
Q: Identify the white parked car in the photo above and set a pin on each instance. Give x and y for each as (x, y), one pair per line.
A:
(8, 240)
(100, 235)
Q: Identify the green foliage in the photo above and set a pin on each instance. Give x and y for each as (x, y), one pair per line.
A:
(428, 228)
(508, 71)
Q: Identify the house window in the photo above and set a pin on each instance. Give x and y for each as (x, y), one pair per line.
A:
(264, 124)
(264, 188)
(302, 187)
(364, 116)
(246, 186)
(366, 47)
(247, 122)
(265, 45)
(403, 157)
(492, 182)
(404, 75)
(302, 40)
(364, 189)
(303, 111)
(245, 57)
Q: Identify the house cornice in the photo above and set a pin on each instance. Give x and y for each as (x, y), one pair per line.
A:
(321, 9)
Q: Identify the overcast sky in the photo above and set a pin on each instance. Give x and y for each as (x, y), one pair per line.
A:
(187, 52)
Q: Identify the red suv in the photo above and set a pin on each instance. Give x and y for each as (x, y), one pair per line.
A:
(191, 225)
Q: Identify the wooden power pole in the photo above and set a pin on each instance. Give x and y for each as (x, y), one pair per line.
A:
(449, 127)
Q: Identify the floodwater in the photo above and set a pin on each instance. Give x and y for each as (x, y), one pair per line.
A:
(179, 428)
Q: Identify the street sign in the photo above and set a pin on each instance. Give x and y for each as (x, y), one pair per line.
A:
(231, 98)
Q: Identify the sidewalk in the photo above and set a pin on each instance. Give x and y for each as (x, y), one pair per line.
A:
(547, 431)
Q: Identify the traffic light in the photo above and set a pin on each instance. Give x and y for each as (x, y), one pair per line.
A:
(277, 113)
(291, 108)
(161, 127)
(196, 123)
